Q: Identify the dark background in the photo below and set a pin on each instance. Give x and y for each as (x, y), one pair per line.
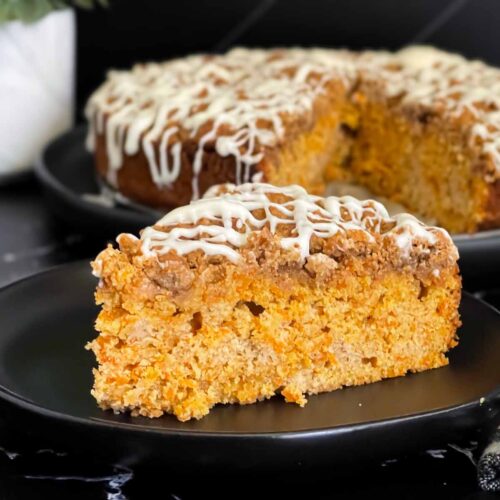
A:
(132, 30)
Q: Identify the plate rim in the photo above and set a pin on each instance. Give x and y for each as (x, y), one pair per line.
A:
(48, 180)
(123, 427)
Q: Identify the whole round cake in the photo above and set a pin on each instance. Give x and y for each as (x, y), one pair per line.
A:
(420, 127)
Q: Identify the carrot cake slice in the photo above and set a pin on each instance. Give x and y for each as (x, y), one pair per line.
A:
(420, 127)
(255, 290)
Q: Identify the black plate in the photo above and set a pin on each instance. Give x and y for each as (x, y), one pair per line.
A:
(9, 178)
(66, 172)
(45, 378)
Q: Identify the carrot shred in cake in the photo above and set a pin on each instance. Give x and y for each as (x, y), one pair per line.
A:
(255, 290)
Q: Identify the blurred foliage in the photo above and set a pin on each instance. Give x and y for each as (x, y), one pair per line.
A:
(32, 10)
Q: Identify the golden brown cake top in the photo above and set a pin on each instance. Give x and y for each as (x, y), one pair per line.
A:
(222, 222)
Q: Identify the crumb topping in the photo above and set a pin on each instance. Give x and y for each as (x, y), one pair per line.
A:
(221, 222)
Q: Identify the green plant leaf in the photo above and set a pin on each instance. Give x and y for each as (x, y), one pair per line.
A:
(32, 10)
(89, 4)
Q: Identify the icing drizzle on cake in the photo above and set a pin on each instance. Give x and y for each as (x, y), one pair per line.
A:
(235, 102)
(221, 222)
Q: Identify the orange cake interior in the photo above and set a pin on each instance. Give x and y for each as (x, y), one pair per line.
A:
(255, 290)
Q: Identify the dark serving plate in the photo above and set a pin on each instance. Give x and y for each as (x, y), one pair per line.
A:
(8, 178)
(66, 173)
(45, 379)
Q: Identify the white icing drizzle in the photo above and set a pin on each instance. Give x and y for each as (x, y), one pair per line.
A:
(231, 214)
(236, 103)
(344, 188)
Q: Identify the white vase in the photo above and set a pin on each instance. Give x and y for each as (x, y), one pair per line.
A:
(37, 73)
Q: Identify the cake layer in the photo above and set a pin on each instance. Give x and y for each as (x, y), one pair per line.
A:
(420, 127)
(257, 290)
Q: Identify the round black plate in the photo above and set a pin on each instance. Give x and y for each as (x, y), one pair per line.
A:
(45, 379)
(66, 172)
(6, 179)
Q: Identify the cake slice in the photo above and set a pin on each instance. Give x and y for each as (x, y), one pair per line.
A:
(256, 290)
